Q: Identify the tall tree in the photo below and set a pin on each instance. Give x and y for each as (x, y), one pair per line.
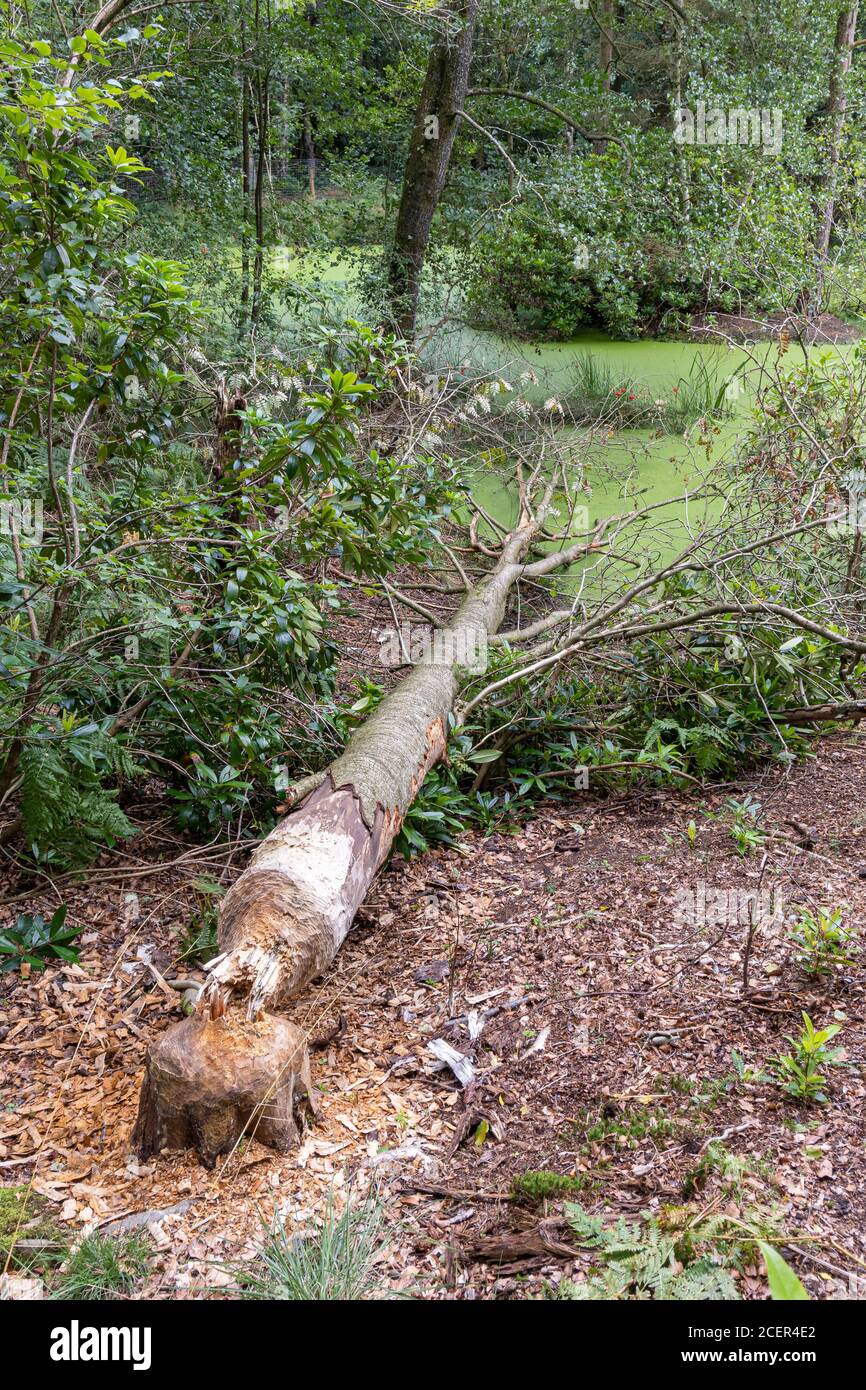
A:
(437, 120)
(835, 112)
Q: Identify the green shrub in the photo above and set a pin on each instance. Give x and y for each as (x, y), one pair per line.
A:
(822, 941)
(801, 1072)
(35, 942)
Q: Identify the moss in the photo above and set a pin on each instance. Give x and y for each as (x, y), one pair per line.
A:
(537, 1186)
(25, 1216)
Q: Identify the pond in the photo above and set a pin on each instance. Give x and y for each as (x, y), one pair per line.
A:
(620, 469)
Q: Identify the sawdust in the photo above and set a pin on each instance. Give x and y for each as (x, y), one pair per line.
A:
(556, 928)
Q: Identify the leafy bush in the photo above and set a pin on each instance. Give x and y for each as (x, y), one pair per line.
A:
(169, 606)
(34, 942)
(529, 284)
(613, 249)
(822, 941)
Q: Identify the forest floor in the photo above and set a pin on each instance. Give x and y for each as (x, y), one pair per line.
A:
(610, 1024)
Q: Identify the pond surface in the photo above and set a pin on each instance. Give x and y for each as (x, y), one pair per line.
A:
(620, 469)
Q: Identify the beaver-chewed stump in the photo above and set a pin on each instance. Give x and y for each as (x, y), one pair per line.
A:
(211, 1081)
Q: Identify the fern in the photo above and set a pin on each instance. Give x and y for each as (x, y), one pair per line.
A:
(703, 1281)
(68, 814)
(646, 1262)
(706, 745)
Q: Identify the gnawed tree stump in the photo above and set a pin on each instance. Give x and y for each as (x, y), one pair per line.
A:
(209, 1081)
(235, 1068)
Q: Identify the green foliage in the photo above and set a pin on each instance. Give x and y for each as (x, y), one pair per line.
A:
(437, 815)
(105, 1267)
(646, 1262)
(162, 608)
(35, 942)
(785, 1287)
(68, 812)
(640, 261)
(745, 832)
(336, 1264)
(716, 1160)
(26, 1216)
(595, 394)
(202, 598)
(822, 942)
(199, 942)
(527, 282)
(544, 1185)
(801, 1072)
(632, 1125)
(697, 707)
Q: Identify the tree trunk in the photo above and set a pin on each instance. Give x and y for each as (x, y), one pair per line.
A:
(604, 17)
(246, 209)
(835, 112)
(309, 146)
(235, 1068)
(263, 107)
(437, 119)
(606, 51)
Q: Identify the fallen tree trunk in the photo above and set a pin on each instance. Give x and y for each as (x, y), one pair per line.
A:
(233, 1067)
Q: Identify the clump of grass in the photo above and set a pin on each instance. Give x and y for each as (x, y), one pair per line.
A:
(538, 1186)
(698, 396)
(595, 395)
(25, 1217)
(334, 1265)
(105, 1267)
